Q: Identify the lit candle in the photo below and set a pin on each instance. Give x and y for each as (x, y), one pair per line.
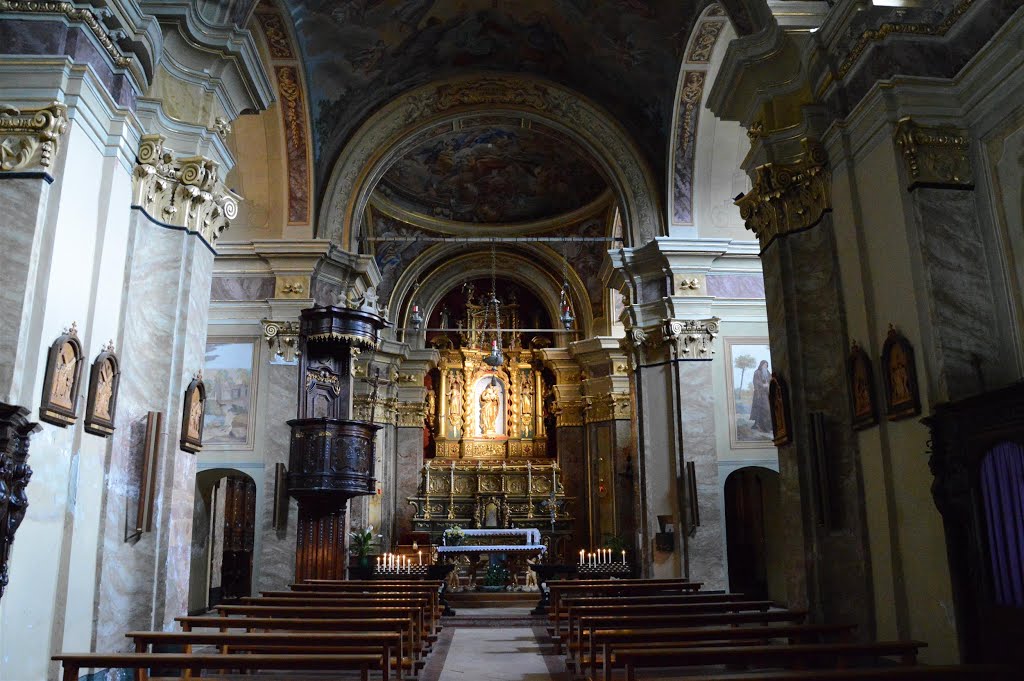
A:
(623, 556)
(581, 556)
(378, 563)
(420, 561)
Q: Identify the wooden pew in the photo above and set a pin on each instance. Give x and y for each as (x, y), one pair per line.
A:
(893, 673)
(381, 598)
(196, 662)
(400, 625)
(413, 612)
(608, 640)
(386, 643)
(799, 655)
(574, 634)
(623, 587)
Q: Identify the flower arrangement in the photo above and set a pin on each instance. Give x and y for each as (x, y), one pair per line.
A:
(497, 576)
(361, 541)
(454, 536)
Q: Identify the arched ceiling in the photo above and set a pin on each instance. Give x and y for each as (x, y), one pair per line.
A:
(499, 171)
(623, 54)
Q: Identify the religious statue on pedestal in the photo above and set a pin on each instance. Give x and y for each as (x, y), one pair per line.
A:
(489, 401)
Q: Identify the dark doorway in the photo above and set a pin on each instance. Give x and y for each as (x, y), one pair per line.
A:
(750, 516)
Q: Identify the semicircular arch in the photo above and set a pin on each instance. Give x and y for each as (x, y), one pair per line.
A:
(380, 140)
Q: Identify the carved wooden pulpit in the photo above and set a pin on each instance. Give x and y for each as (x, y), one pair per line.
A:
(331, 457)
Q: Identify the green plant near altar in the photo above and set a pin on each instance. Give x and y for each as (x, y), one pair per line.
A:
(454, 536)
(615, 542)
(362, 541)
(497, 576)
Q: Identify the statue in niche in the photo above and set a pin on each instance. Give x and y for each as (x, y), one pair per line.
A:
(454, 400)
(489, 401)
(527, 390)
(431, 409)
(445, 318)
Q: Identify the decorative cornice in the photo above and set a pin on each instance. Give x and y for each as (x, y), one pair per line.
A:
(691, 338)
(73, 13)
(411, 414)
(788, 197)
(569, 413)
(935, 156)
(183, 192)
(891, 28)
(29, 138)
(384, 411)
(609, 407)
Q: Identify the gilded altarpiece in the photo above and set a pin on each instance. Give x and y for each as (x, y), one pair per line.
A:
(489, 414)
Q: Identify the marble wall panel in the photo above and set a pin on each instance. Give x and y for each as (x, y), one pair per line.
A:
(410, 461)
(736, 285)
(706, 560)
(571, 458)
(24, 201)
(968, 347)
(277, 405)
(242, 288)
(144, 580)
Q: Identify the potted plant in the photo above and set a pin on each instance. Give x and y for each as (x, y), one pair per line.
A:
(454, 536)
(360, 544)
(496, 578)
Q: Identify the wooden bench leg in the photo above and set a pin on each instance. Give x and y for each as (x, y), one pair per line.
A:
(70, 672)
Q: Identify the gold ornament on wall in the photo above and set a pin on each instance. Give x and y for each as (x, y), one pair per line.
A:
(935, 156)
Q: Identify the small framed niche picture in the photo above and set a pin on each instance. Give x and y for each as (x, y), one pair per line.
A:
(192, 413)
(62, 380)
(902, 399)
(862, 388)
(101, 403)
(782, 423)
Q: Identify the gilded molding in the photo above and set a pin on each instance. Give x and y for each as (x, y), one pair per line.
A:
(691, 338)
(788, 197)
(887, 29)
(384, 411)
(184, 192)
(609, 407)
(412, 414)
(704, 43)
(569, 413)
(935, 156)
(73, 13)
(30, 137)
(282, 337)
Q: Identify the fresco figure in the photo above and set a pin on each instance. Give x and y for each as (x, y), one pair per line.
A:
(760, 411)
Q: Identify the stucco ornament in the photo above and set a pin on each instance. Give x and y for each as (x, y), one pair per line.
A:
(29, 138)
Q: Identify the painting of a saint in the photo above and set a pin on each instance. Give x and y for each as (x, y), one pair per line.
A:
(862, 394)
(229, 379)
(902, 397)
(64, 377)
(749, 374)
(105, 390)
(61, 383)
(192, 422)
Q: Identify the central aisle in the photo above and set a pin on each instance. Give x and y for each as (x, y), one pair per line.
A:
(498, 654)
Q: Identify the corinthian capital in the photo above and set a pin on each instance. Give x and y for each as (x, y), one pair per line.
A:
(788, 197)
(29, 137)
(184, 192)
(935, 156)
(691, 338)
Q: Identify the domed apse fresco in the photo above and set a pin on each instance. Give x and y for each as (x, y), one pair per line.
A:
(493, 174)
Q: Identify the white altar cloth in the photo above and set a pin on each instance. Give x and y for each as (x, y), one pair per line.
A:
(531, 534)
(506, 548)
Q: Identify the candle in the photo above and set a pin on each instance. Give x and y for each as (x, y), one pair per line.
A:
(420, 561)
(581, 556)
(378, 563)
(623, 556)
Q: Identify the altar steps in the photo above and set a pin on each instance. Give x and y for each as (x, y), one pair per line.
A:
(500, 599)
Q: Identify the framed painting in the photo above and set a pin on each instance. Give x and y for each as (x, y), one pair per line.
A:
(748, 374)
(192, 416)
(101, 403)
(902, 399)
(862, 388)
(230, 379)
(782, 423)
(62, 380)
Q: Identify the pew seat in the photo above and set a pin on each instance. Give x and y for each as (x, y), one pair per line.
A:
(140, 662)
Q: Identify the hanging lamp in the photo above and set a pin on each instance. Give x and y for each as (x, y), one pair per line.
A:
(566, 317)
(494, 358)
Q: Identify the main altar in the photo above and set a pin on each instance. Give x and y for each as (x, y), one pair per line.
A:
(493, 495)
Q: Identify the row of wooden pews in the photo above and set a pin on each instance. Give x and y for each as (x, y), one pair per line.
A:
(360, 627)
(611, 629)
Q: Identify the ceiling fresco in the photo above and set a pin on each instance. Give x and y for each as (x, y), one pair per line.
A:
(495, 174)
(359, 54)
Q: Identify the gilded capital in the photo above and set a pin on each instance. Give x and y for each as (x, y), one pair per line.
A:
(691, 338)
(412, 414)
(184, 192)
(788, 197)
(935, 156)
(29, 138)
